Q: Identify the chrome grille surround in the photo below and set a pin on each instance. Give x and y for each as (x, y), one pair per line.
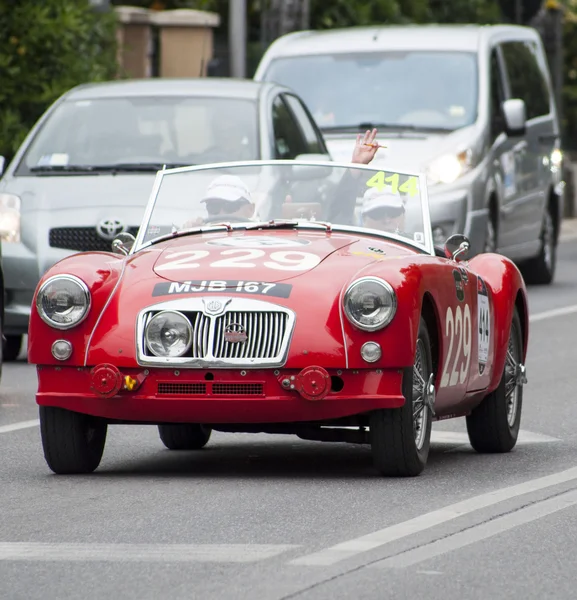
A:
(269, 328)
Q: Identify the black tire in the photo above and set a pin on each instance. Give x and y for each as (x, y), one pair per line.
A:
(491, 242)
(11, 347)
(184, 437)
(72, 442)
(492, 426)
(541, 269)
(396, 450)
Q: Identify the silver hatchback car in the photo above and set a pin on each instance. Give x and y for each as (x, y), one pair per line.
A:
(86, 170)
(471, 106)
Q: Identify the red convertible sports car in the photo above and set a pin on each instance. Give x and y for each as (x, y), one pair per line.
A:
(285, 297)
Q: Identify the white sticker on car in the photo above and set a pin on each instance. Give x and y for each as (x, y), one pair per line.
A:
(458, 333)
(283, 260)
(483, 324)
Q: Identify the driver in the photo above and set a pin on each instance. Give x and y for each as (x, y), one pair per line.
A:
(228, 196)
(383, 210)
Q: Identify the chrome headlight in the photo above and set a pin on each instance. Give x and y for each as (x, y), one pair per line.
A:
(63, 301)
(370, 303)
(168, 333)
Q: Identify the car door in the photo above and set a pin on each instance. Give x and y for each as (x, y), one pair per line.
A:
(288, 140)
(507, 154)
(525, 81)
(457, 303)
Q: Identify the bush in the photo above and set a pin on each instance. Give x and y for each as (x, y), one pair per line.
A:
(46, 48)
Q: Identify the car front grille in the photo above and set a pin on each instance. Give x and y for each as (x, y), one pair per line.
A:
(81, 239)
(265, 332)
(265, 336)
(210, 389)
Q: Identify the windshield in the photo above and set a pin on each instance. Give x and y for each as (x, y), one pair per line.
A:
(409, 89)
(289, 194)
(156, 130)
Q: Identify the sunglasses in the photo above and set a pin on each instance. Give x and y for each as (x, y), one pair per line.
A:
(216, 206)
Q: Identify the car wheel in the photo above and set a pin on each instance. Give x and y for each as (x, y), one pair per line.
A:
(541, 269)
(494, 425)
(72, 442)
(400, 437)
(490, 236)
(11, 347)
(184, 437)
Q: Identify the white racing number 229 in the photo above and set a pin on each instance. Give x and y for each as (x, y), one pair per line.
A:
(283, 260)
(458, 332)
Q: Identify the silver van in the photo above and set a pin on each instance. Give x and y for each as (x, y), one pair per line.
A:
(471, 106)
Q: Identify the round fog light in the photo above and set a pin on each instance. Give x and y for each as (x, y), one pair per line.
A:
(371, 352)
(61, 349)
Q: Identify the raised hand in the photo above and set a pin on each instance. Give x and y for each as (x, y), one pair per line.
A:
(365, 147)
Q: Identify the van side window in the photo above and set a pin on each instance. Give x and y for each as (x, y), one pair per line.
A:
(497, 96)
(526, 78)
(314, 142)
(288, 141)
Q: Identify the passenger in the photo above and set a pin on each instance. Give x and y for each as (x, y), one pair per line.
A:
(383, 210)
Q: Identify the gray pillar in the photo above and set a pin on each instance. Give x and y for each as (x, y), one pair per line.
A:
(237, 37)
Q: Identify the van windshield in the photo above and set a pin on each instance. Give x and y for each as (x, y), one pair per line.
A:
(424, 89)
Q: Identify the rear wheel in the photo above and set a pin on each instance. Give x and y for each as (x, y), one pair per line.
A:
(72, 442)
(541, 269)
(400, 437)
(184, 437)
(494, 425)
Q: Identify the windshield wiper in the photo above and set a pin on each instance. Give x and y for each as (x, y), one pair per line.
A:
(113, 168)
(287, 224)
(390, 126)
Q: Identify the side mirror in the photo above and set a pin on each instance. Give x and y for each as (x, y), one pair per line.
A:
(2, 163)
(457, 247)
(515, 117)
(123, 243)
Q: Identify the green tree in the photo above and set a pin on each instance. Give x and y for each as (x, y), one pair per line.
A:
(46, 48)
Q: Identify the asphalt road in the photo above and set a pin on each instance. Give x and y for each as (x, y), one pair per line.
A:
(267, 518)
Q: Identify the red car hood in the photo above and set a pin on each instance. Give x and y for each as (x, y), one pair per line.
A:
(247, 255)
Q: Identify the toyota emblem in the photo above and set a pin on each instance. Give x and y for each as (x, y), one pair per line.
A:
(235, 333)
(108, 229)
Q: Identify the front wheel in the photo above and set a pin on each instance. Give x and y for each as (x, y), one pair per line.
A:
(184, 437)
(72, 442)
(541, 269)
(11, 347)
(494, 425)
(400, 437)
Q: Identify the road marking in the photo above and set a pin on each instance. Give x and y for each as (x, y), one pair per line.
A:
(480, 532)
(17, 426)
(462, 439)
(350, 548)
(230, 553)
(554, 312)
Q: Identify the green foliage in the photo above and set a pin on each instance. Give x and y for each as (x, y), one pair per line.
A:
(465, 11)
(46, 48)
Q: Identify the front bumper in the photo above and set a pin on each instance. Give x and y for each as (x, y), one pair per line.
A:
(219, 396)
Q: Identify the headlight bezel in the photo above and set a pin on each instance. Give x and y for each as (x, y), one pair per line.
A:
(84, 290)
(189, 330)
(387, 287)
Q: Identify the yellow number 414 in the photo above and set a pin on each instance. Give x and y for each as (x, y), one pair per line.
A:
(380, 181)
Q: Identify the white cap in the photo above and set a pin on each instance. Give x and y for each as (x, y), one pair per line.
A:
(227, 187)
(375, 198)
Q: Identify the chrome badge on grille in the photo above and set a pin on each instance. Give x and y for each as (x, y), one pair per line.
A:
(235, 333)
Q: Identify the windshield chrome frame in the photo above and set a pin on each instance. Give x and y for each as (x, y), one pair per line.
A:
(427, 246)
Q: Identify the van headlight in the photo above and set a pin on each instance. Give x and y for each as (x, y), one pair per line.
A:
(168, 333)
(449, 167)
(9, 218)
(370, 303)
(63, 301)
